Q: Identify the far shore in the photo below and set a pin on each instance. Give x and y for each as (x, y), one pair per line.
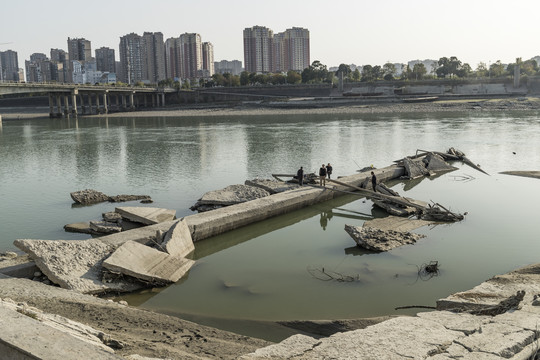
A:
(302, 106)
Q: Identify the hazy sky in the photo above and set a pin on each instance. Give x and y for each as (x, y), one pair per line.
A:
(341, 31)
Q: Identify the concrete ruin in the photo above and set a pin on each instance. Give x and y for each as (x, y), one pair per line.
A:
(90, 196)
(231, 195)
(146, 215)
(380, 240)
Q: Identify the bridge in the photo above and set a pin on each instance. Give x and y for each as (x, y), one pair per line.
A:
(72, 99)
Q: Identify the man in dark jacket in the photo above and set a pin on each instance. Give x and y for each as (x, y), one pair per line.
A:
(322, 175)
(374, 181)
(300, 175)
(329, 170)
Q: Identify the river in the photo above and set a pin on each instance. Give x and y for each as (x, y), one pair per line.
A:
(265, 271)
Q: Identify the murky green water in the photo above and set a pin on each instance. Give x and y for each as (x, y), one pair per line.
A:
(265, 272)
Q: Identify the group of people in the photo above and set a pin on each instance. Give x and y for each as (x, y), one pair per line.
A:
(326, 170)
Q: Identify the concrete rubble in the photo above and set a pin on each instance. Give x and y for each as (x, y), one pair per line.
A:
(231, 195)
(146, 215)
(90, 196)
(272, 186)
(147, 264)
(380, 240)
(79, 265)
(437, 335)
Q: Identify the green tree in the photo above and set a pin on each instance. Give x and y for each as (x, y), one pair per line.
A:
(293, 77)
(244, 78)
(418, 72)
(389, 71)
(356, 76)
(367, 73)
(345, 70)
(482, 70)
(497, 69)
(315, 73)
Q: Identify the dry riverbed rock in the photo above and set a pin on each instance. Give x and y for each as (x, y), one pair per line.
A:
(90, 196)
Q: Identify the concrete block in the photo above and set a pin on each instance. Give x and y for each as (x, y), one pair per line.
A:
(146, 263)
(146, 215)
(73, 264)
(177, 241)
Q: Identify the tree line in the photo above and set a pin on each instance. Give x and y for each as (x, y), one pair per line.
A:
(318, 73)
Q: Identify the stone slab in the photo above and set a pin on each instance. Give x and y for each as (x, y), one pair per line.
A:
(233, 194)
(396, 223)
(73, 264)
(146, 263)
(146, 215)
(105, 227)
(177, 241)
(380, 240)
(23, 337)
(272, 186)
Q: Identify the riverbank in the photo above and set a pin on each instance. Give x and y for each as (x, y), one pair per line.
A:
(305, 106)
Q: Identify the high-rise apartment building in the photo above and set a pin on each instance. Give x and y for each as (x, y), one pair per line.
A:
(131, 58)
(38, 68)
(191, 55)
(105, 60)
(153, 51)
(208, 59)
(258, 49)
(233, 67)
(79, 49)
(59, 65)
(9, 66)
(173, 59)
(266, 52)
(296, 49)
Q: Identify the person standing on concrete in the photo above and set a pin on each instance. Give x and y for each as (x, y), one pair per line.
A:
(322, 175)
(329, 170)
(374, 181)
(300, 175)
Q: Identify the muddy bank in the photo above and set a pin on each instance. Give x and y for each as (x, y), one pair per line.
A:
(305, 106)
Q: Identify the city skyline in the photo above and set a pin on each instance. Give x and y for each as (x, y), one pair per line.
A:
(350, 32)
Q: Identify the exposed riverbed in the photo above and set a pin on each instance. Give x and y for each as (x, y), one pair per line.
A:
(262, 272)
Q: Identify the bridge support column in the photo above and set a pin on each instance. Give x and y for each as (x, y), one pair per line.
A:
(81, 100)
(51, 106)
(145, 101)
(90, 103)
(131, 101)
(163, 99)
(98, 110)
(74, 103)
(124, 106)
(117, 104)
(105, 108)
(58, 112)
(153, 100)
(66, 105)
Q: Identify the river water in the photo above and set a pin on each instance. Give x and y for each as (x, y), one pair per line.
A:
(272, 270)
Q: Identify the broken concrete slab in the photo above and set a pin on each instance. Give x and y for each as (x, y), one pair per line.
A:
(146, 215)
(74, 264)
(80, 227)
(105, 227)
(112, 216)
(177, 240)
(272, 186)
(380, 240)
(231, 195)
(90, 196)
(146, 263)
(26, 337)
(499, 288)
(414, 168)
(437, 164)
(397, 223)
